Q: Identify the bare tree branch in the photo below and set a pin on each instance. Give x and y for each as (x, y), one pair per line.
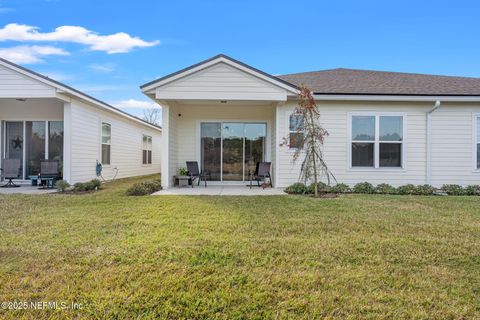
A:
(152, 116)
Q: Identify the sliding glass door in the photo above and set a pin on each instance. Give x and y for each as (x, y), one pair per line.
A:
(230, 150)
(34, 140)
(14, 142)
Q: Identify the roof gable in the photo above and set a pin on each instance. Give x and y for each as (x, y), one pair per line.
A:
(14, 84)
(220, 77)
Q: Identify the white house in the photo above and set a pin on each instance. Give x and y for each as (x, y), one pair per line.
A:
(44, 119)
(387, 127)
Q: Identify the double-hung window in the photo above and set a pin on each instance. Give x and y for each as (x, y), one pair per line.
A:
(106, 143)
(296, 130)
(377, 141)
(477, 142)
(147, 150)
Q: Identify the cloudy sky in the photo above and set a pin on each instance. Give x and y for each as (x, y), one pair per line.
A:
(109, 48)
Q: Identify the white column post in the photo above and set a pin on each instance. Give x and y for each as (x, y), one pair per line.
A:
(67, 141)
(165, 152)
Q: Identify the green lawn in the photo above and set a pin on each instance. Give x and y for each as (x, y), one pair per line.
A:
(241, 257)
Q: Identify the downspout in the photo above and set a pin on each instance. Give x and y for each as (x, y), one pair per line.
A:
(429, 142)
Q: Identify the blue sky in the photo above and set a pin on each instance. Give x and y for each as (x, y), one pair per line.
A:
(438, 37)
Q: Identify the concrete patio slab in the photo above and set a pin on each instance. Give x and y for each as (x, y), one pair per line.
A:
(25, 189)
(221, 191)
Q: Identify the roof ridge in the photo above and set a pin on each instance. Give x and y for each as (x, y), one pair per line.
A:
(380, 71)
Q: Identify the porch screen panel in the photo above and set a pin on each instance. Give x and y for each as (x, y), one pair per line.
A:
(55, 142)
(211, 152)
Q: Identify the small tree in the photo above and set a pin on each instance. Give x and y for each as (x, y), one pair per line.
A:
(152, 116)
(310, 148)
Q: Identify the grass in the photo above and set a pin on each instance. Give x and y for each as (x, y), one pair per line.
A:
(356, 256)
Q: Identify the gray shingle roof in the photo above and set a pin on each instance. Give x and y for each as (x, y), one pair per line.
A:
(352, 81)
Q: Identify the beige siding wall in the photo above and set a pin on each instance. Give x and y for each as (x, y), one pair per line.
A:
(185, 131)
(126, 146)
(16, 85)
(452, 144)
(219, 82)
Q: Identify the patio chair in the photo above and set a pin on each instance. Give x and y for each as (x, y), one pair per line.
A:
(48, 172)
(10, 171)
(262, 172)
(195, 173)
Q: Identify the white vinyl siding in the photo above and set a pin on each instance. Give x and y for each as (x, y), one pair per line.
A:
(334, 116)
(16, 85)
(125, 156)
(221, 82)
(476, 146)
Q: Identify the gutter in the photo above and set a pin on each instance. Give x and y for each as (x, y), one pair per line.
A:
(429, 141)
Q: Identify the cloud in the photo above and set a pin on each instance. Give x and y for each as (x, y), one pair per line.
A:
(135, 104)
(103, 68)
(30, 54)
(113, 43)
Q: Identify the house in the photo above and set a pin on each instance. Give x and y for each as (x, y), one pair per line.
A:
(384, 127)
(45, 119)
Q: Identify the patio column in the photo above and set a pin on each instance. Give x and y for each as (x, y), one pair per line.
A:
(67, 139)
(166, 181)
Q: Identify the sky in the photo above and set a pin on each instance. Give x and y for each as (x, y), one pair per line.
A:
(109, 48)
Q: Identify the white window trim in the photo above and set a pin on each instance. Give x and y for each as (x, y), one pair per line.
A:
(475, 118)
(377, 142)
(151, 149)
(288, 114)
(101, 143)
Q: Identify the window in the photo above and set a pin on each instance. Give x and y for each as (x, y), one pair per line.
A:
(296, 131)
(106, 143)
(477, 141)
(147, 150)
(377, 141)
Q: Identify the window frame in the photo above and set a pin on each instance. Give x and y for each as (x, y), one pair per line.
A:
(288, 115)
(107, 144)
(149, 148)
(376, 142)
(475, 141)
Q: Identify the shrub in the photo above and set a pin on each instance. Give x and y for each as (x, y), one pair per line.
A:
(321, 187)
(341, 188)
(473, 190)
(87, 186)
(296, 188)
(62, 185)
(425, 190)
(79, 187)
(144, 188)
(385, 188)
(364, 187)
(406, 189)
(453, 189)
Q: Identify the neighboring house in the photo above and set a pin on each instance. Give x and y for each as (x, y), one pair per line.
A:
(44, 119)
(396, 128)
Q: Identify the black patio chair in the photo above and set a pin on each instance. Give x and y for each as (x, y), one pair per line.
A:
(195, 173)
(48, 172)
(10, 171)
(261, 174)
